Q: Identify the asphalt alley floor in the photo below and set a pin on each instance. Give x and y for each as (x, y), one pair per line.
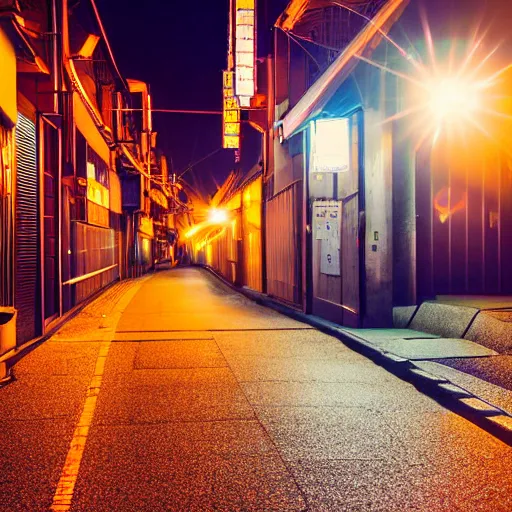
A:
(175, 393)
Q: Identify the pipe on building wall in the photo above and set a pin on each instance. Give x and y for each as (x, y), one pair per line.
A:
(55, 57)
(105, 41)
(133, 161)
(57, 90)
(77, 84)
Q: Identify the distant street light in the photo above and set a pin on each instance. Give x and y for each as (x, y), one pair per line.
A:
(217, 216)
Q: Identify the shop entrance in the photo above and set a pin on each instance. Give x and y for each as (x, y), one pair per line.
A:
(336, 202)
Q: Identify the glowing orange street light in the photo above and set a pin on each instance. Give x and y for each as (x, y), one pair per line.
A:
(217, 216)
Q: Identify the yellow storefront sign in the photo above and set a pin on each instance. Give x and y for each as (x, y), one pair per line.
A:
(231, 141)
(231, 113)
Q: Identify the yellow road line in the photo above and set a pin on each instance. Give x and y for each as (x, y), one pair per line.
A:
(66, 486)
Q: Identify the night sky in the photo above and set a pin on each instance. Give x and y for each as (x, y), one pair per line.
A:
(180, 49)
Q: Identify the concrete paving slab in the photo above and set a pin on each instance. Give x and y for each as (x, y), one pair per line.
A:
(403, 315)
(178, 354)
(121, 359)
(229, 466)
(502, 316)
(427, 376)
(379, 486)
(480, 406)
(502, 421)
(44, 397)
(161, 335)
(435, 348)
(248, 369)
(329, 433)
(149, 396)
(454, 390)
(493, 330)
(300, 344)
(378, 336)
(101, 313)
(59, 358)
(32, 454)
(496, 395)
(446, 320)
(433, 438)
(337, 394)
(376, 486)
(496, 370)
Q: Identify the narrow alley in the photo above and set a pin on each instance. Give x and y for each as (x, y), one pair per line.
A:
(173, 392)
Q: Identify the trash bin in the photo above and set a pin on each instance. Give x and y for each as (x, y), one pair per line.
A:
(7, 329)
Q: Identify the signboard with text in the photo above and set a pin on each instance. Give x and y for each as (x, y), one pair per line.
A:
(245, 46)
(327, 229)
(231, 114)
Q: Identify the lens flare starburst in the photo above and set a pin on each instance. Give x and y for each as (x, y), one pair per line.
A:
(444, 93)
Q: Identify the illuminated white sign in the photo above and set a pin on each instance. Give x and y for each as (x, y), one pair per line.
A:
(244, 51)
(331, 145)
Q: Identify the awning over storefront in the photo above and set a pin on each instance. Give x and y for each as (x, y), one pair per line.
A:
(300, 12)
(88, 129)
(313, 101)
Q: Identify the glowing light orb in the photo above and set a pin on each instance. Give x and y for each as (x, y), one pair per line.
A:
(217, 216)
(451, 98)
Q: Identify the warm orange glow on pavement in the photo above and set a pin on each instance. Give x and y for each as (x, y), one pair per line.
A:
(66, 486)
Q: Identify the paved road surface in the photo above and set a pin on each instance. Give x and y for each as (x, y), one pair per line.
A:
(174, 393)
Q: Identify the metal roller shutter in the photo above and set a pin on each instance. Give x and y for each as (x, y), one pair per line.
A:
(27, 232)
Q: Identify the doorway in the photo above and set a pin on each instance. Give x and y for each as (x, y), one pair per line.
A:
(336, 200)
(50, 161)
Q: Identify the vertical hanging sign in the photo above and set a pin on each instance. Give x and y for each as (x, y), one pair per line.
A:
(231, 113)
(245, 45)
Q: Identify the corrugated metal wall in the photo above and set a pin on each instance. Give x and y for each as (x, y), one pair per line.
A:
(219, 253)
(27, 293)
(251, 218)
(235, 250)
(283, 244)
(95, 250)
(464, 220)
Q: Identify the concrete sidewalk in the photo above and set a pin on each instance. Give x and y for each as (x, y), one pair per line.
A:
(455, 347)
(466, 341)
(197, 398)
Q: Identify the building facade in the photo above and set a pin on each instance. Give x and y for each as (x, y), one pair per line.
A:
(74, 136)
(395, 172)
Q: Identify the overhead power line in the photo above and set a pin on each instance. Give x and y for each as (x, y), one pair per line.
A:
(199, 161)
(170, 111)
